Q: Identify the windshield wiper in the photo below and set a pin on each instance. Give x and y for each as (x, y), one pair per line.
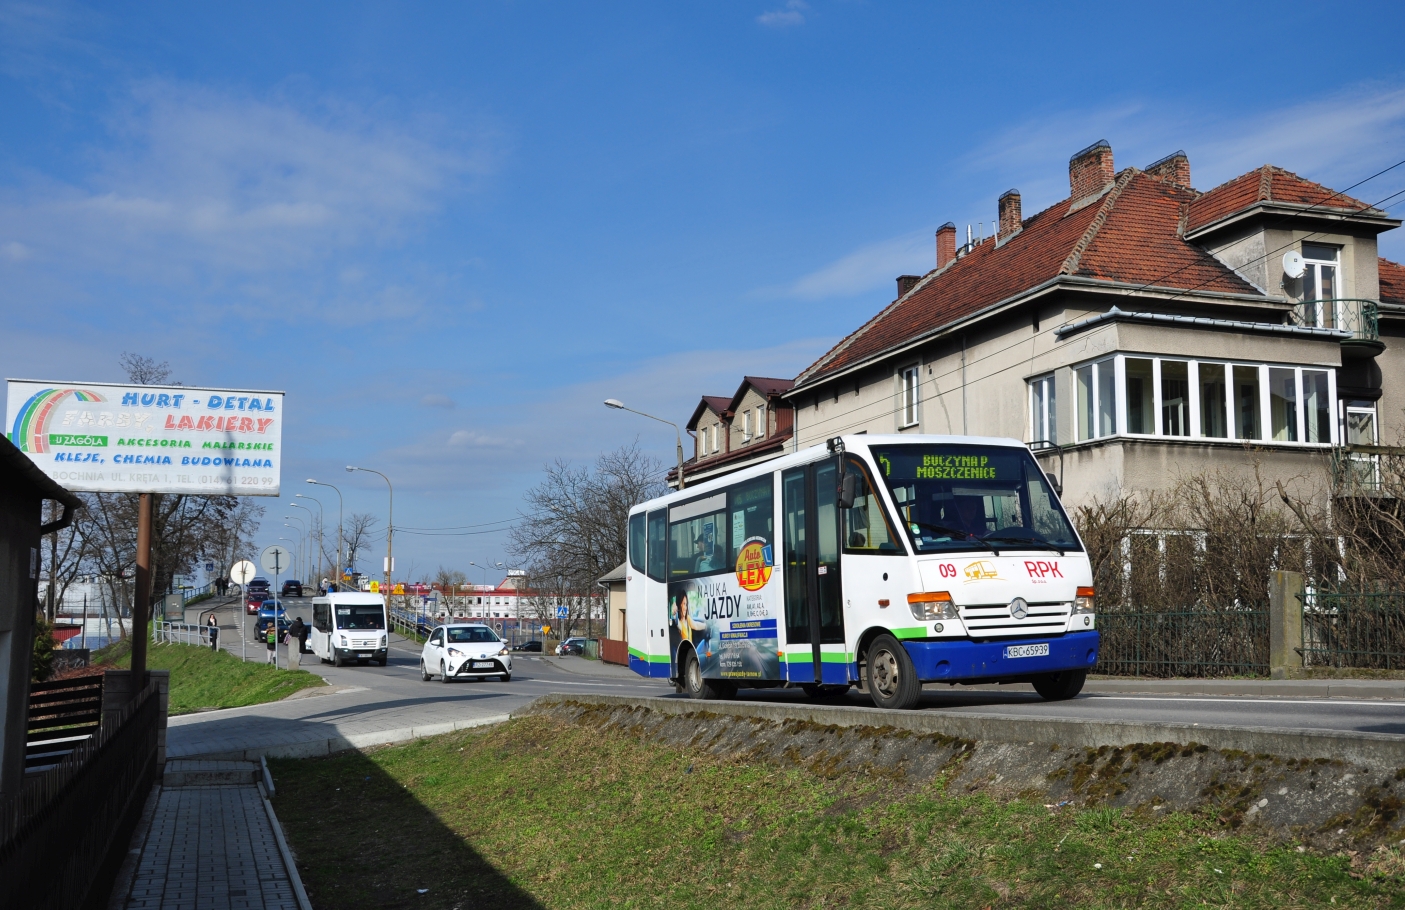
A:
(1031, 542)
(953, 532)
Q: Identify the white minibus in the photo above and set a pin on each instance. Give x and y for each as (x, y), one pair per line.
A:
(349, 627)
(881, 562)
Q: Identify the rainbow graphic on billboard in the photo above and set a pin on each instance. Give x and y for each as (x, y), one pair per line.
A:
(31, 428)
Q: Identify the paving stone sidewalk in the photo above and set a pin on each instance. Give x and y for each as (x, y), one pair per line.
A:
(206, 848)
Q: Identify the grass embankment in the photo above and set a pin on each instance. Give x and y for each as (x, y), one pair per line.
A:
(536, 813)
(201, 678)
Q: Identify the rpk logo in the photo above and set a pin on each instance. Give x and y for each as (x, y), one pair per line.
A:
(1042, 568)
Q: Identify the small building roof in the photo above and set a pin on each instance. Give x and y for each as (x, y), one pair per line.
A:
(616, 574)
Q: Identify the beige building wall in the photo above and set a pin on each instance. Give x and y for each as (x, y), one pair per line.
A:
(615, 612)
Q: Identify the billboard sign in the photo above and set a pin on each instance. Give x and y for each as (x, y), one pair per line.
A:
(99, 438)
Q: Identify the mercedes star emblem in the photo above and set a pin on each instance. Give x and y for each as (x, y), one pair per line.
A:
(1019, 608)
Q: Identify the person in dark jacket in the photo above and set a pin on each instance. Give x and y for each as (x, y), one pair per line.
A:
(298, 631)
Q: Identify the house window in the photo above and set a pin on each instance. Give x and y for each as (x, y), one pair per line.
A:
(1096, 385)
(1360, 430)
(716, 441)
(908, 415)
(1043, 410)
(1210, 400)
(746, 426)
(761, 421)
(1320, 284)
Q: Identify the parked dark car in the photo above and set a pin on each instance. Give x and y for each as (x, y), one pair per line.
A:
(571, 646)
(532, 645)
(291, 588)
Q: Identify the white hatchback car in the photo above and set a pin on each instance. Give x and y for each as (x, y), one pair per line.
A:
(466, 650)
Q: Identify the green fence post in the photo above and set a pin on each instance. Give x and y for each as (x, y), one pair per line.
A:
(1285, 623)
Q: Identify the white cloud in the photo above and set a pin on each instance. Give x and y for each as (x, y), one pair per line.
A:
(868, 268)
(198, 179)
(793, 13)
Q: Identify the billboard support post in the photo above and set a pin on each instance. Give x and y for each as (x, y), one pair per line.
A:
(141, 605)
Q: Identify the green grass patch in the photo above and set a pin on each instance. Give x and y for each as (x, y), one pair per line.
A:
(536, 813)
(201, 678)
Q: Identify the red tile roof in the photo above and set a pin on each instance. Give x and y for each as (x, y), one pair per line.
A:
(1131, 235)
(717, 403)
(767, 385)
(1267, 184)
(1392, 282)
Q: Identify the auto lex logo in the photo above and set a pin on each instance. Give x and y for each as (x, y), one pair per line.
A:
(1041, 569)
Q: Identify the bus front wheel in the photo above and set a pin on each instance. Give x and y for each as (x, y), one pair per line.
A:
(1060, 686)
(892, 679)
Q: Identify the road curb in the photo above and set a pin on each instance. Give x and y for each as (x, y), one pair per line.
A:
(1281, 688)
(316, 748)
(1378, 749)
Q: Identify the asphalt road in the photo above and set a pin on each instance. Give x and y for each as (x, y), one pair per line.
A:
(395, 695)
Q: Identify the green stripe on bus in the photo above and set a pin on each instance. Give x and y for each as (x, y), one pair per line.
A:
(808, 656)
(910, 632)
(648, 658)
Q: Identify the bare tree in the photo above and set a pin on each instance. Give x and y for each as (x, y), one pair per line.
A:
(449, 577)
(574, 529)
(145, 370)
(356, 535)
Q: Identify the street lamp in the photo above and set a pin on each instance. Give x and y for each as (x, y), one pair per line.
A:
(310, 525)
(340, 555)
(302, 550)
(321, 523)
(619, 406)
(389, 525)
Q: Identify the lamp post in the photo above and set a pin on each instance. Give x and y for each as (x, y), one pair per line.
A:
(389, 527)
(310, 525)
(321, 523)
(302, 550)
(337, 567)
(273, 621)
(619, 406)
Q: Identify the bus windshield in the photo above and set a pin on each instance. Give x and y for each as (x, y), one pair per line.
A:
(360, 616)
(971, 497)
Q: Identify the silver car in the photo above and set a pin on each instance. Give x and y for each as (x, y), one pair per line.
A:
(467, 650)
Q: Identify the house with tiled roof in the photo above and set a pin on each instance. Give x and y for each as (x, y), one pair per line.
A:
(1139, 330)
(754, 424)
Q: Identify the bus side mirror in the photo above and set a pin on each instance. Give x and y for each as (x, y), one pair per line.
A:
(1054, 482)
(848, 489)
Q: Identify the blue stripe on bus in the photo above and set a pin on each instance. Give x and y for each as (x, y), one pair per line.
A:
(646, 668)
(955, 660)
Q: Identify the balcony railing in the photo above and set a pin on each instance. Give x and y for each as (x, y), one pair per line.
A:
(1359, 317)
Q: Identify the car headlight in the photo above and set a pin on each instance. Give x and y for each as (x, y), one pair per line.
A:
(1083, 603)
(929, 605)
(503, 651)
(456, 652)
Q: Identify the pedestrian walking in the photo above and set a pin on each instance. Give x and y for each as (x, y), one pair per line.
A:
(271, 633)
(294, 638)
(214, 628)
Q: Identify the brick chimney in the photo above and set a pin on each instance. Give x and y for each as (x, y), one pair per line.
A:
(1090, 170)
(907, 283)
(946, 244)
(1174, 168)
(1009, 212)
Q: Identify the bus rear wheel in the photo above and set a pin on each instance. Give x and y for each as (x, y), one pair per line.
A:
(695, 686)
(892, 679)
(1060, 686)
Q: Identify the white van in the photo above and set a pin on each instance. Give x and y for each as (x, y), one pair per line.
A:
(349, 626)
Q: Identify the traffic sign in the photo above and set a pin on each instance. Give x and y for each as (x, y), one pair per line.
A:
(209, 567)
(276, 559)
(241, 572)
(546, 630)
(563, 612)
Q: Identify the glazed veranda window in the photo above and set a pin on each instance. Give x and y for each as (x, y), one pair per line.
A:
(966, 497)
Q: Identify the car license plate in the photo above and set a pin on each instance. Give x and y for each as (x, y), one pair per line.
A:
(1039, 650)
(477, 664)
(363, 654)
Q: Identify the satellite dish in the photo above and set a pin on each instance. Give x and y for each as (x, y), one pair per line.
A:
(1293, 265)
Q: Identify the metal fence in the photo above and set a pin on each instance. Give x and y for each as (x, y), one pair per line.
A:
(179, 633)
(1354, 629)
(63, 836)
(1197, 642)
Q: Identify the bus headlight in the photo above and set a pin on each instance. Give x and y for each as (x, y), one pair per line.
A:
(343, 641)
(930, 605)
(382, 639)
(1083, 603)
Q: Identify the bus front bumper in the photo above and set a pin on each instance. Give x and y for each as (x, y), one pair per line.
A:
(359, 653)
(957, 661)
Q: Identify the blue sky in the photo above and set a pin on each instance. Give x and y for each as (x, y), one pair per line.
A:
(449, 231)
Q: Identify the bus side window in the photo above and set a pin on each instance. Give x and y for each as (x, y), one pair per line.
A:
(322, 617)
(866, 526)
(637, 545)
(658, 545)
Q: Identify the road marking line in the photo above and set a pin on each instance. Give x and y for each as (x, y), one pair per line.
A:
(1250, 699)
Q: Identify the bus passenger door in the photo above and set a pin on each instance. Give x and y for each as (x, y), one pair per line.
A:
(814, 619)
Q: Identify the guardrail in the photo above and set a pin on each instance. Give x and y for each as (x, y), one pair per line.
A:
(1354, 629)
(179, 633)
